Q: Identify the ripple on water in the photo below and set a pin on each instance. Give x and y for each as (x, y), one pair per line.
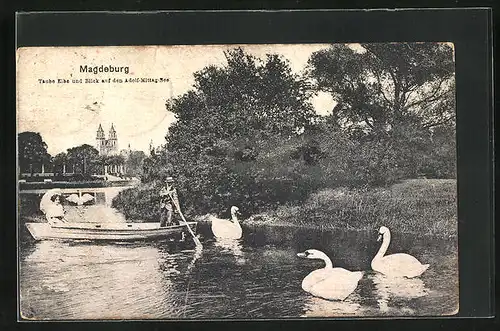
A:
(239, 279)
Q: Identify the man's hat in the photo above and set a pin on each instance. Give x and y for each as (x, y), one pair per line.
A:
(170, 179)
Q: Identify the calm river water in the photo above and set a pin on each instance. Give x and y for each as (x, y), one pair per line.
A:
(258, 276)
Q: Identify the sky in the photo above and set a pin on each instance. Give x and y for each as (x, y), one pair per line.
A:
(67, 114)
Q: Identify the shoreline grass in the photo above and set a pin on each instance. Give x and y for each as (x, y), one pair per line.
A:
(418, 206)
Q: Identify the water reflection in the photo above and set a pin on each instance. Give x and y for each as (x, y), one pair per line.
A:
(317, 307)
(389, 289)
(68, 280)
(197, 254)
(258, 276)
(232, 247)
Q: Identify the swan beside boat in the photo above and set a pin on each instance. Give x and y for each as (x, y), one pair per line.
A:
(227, 229)
(329, 283)
(395, 265)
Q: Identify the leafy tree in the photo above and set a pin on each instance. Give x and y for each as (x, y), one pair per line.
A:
(385, 85)
(84, 159)
(224, 122)
(440, 161)
(246, 134)
(246, 97)
(156, 167)
(114, 160)
(391, 98)
(32, 152)
(133, 163)
(60, 162)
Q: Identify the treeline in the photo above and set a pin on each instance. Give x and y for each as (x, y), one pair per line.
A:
(247, 133)
(83, 159)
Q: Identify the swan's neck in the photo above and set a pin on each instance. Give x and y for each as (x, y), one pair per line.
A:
(328, 262)
(234, 218)
(385, 244)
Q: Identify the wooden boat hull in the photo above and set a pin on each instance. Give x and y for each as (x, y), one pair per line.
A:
(104, 231)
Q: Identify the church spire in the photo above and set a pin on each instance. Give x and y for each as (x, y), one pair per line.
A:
(100, 133)
(112, 132)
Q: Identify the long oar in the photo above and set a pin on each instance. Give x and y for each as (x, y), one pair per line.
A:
(196, 240)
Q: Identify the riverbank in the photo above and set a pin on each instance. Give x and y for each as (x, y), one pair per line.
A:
(420, 206)
(31, 187)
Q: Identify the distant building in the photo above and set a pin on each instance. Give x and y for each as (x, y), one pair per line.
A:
(107, 147)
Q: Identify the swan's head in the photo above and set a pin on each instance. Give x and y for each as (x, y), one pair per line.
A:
(235, 210)
(312, 254)
(381, 232)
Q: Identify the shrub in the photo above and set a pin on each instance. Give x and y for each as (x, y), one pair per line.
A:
(139, 203)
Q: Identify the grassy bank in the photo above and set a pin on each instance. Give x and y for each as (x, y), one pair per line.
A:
(420, 206)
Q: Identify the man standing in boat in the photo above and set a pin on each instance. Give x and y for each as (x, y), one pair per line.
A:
(169, 202)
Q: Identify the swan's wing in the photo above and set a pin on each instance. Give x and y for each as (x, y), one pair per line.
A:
(342, 273)
(401, 265)
(405, 258)
(225, 228)
(86, 198)
(229, 232)
(73, 198)
(214, 219)
(313, 278)
(337, 285)
(320, 275)
(333, 290)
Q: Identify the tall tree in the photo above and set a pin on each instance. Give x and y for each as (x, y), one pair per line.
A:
(225, 120)
(32, 151)
(60, 162)
(379, 87)
(84, 159)
(134, 162)
(246, 97)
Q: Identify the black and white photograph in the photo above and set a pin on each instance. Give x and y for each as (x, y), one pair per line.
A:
(237, 181)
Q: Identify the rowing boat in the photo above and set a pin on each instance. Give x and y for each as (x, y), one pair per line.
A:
(104, 231)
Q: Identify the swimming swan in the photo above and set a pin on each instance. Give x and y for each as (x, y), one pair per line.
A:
(397, 265)
(328, 282)
(74, 198)
(228, 229)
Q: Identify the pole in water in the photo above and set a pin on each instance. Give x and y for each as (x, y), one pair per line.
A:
(196, 240)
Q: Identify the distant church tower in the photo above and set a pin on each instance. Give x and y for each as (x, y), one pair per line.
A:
(107, 146)
(113, 140)
(101, 141)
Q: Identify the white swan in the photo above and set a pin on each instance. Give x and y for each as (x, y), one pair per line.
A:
(80, 200)
(228, 229)
(396, 265)
(329, 282)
